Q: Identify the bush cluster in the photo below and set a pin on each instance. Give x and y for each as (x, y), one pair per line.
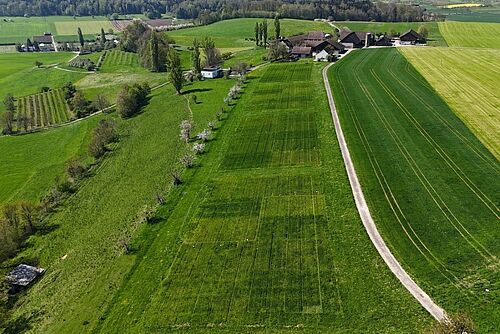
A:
(84, 63)
(131, 99)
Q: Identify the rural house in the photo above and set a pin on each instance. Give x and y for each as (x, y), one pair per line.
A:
(383, 40)
(356, 39)
(411, 37)
(211, 72)
(301, 51)
(44, 42)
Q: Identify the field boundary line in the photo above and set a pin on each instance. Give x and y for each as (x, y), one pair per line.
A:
(436, 311)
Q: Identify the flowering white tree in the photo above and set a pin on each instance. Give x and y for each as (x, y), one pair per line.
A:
(204, 135)
(211, 125)
(198, 148)
(187, 160)
(186, 127)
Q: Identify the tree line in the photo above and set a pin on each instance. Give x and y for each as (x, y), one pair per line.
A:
(207, 11)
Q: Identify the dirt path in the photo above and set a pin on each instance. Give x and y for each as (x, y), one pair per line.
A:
(393, 264)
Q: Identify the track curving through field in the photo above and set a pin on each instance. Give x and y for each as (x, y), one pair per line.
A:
(435, 310)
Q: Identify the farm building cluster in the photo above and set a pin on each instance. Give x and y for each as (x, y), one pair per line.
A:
(47, 41)
(326, 47)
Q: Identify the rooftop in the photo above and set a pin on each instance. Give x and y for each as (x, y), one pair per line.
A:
(23, 275)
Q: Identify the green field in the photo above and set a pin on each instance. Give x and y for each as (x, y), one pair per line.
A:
(30, 163)
(434, 37)
(43, 109)
(478, 14)
(18, 29)
(471, 34)
(265, 235)
(90, 226)
(468, 79)
(121, 61)
(19, 76)
(262, 235)
(88, 26)
(432, 187)
(232, 35)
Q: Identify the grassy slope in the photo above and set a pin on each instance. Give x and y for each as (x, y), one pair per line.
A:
(89, 226)
(19, 76)
(230, 34)
(29, 163)
(471, 34)
(468, 80)
(435, 37)
(265, 236)
(431, 185)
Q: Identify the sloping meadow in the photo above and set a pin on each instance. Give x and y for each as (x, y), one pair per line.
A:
(265, 235)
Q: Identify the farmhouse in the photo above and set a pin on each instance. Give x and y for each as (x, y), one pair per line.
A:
(356, 39)
(301, 51)
(211, 72)
(23, 275)
(411, 37)
(44, 42)
(383, 40)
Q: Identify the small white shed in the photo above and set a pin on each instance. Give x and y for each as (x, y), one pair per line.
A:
(211, 72)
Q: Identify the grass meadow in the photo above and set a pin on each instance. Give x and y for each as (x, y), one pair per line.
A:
(91, 225)
(18, 29)
(435, 38)
(265, 235)
(468, 80)
(432, 187)
(30, 163)
(471, 34)
(233, 35)
(20, 76)
(121, 61)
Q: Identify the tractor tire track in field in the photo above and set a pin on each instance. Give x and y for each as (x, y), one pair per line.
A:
(436, 311)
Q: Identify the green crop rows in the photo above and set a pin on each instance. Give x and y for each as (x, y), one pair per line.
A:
(43, 109)
(120, 61)
(431, 185)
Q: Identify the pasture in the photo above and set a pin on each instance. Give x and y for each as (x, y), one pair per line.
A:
(434, 38)
(233, 35)
(20, 76)
(468, 80)
(470, 34)
(43, 109)
(419, 164)
(264, 236)
(30, 163)
(18, 29)
(93, 223)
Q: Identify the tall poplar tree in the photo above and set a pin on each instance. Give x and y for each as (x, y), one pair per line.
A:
(277, 27)
(80, 37)
(103, 36)
(264, 33)
(155, 53)
(195, 57)
(175, 69)
(261, 29)
(257, 33)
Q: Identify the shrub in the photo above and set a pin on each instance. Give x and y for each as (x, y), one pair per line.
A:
(131, 99)
(104, 134)
(84, 63)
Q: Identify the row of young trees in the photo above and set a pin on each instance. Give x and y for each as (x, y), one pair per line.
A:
(261, 31)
